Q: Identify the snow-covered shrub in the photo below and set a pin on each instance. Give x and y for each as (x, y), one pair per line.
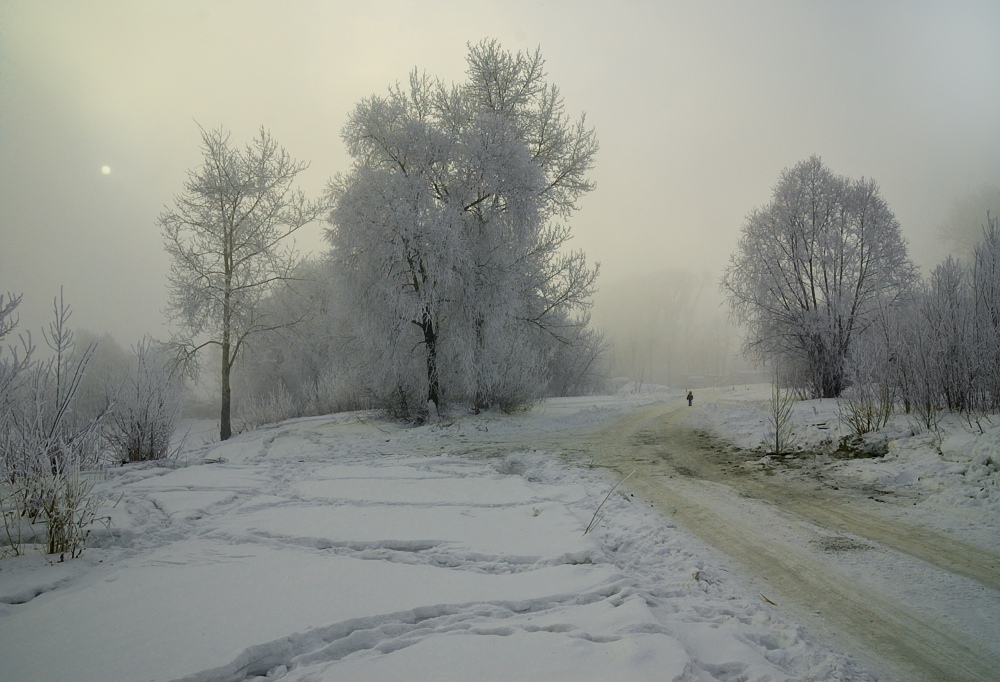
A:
(69, 507)
(505, 370)
(946, 352)
(950, 321)
(12, 541)
(45, 432)
(145, 409)
(268, 409)
(14, 361)
(45, 446)
(332, 390)
(866, 408)
(868, 403)
(937, 364)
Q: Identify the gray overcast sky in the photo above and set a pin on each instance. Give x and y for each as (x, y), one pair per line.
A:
(698, 106)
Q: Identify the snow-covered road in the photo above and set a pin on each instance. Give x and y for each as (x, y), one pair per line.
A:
(917, 603)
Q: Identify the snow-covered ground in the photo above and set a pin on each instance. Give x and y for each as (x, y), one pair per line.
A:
(949, 475)
(348, 548)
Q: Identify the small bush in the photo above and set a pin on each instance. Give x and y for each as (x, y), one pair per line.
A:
(274, 407)
(145, 411)
(70, 509)
(868, 408)
(780, 436)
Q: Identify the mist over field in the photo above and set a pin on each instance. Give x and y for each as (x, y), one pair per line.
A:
(696, 109)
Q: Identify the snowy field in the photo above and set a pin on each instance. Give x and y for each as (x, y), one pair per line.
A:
(348, 548)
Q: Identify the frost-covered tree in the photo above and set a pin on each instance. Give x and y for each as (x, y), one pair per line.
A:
(47, 434)
(109, 366)
(227, 238)
(940, 349)
(930, 359)
(961, 228)
(445, 231)
(986, 294)
(581, 367)
(813, 267)
(950, 326)
(307, 367)
(14, 361)
(675, 337)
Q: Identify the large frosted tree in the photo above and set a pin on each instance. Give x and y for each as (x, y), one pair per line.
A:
(227, 238)
(813, 267)
(446, 230)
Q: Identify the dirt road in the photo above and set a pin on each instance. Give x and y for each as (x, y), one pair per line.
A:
(914, 603)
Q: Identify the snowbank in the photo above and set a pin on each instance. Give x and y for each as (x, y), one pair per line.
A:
(948, 478)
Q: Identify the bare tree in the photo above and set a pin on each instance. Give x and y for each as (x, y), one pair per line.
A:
(780, 434)
(226, 235)
(812, 268)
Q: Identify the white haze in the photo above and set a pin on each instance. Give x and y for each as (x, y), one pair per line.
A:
(698, 107)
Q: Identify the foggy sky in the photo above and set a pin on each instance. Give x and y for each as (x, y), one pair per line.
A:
(697, 106)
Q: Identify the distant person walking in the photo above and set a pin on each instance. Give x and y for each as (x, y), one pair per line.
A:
(690, 398)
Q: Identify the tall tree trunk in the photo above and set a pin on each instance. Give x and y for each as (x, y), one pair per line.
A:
(225, 425)
(225, 428)
(430, 341)
(481, 400)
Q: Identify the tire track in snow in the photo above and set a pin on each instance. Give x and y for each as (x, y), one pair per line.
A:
(676, 470)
